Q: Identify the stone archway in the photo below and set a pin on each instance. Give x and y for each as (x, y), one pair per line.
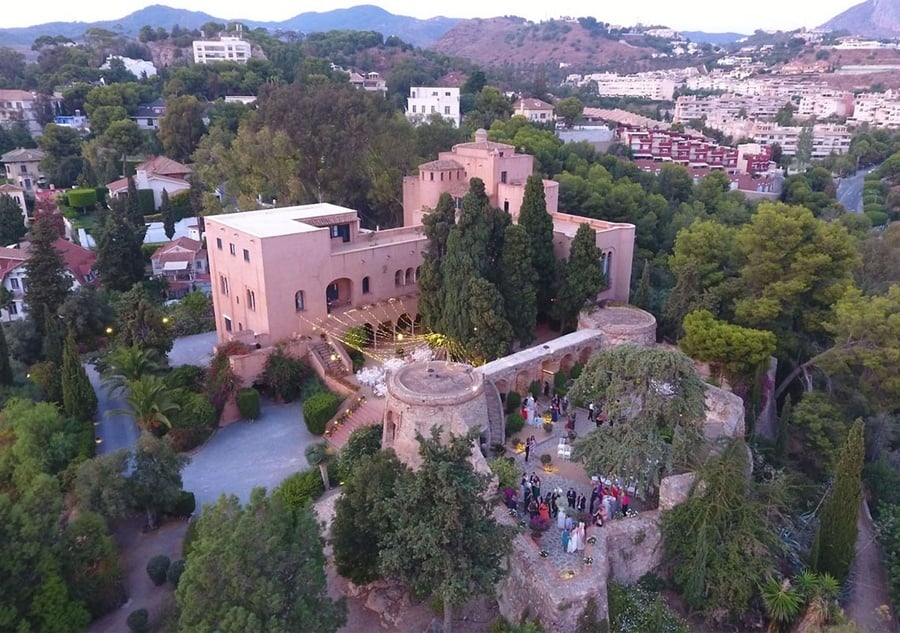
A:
(523, 381)
(585, 355)
(567, 362)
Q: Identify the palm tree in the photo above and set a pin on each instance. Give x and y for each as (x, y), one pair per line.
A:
(127, 364)
(319, 454)
(150, 402)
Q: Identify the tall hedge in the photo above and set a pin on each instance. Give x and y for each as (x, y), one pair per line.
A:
(248, 403)
(318, 409)
(81, 198)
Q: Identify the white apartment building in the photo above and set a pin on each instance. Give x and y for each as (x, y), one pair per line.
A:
(653, 86)
(423, 101)
(225, 49)
(826, 139)
(825, 104)
(878, 109)
(729, 106)
(21, 106)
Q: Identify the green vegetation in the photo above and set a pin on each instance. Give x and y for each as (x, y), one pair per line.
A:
(318, 409)
(248, 403)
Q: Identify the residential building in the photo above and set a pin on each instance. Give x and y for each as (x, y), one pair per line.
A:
(158, 174)
(281, 274)
(370, 81)
(225, 49)
(21, 106)
(656, 86)
(17, 194)
(76, 121)
(877, 109)
(685, 149)
(137, 67)
(147, 115)
(423, 101)
(828, 103)
(79, 264)
(23, 168)
(184, 264)
(534, 110)
(826, 138)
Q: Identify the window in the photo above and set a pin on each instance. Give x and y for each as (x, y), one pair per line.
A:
(398, 278)
(14, 307)
(149, 122)
(446, 109)
(232, 249)
(299, 301)
(433, 109)
(414, 109)
(227, 324)
(246, 255)
(223, 285)
(365, 285)
(409, 276)
(23, 169)
(503, 177)
(14, 283)
(446, 94)
(506, 205)
(219, 243)
(340, 230)
(251, 300)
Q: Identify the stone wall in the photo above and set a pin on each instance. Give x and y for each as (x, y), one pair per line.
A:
(634, 546)
(674, 489)
(620, 325)
(724, 414)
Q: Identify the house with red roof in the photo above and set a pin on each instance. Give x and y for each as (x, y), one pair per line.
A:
(184, 263)
(158, 174)
(79, 262)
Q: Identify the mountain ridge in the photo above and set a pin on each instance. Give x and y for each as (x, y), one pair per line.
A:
(871, 18)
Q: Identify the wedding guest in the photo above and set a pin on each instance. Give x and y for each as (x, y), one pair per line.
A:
(571, 497)
(581, 503)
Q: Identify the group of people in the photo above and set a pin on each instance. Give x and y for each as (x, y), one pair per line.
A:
(596, 414)
(609, 500)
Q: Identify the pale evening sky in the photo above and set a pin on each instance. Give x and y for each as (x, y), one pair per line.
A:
(694, 15)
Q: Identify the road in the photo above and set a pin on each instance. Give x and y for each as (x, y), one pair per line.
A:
(849, 191)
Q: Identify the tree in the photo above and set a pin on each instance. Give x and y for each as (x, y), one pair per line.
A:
(437, 225)
(453, 550)
(517, 280)
(48, 282)
(123, 137)
(168, 215)
(491, 332)
(62, 154)
(275, 580)
(78, 397)
(120, 260)
(641, 297)
(87, 313)
(656, 404)
(581, 278)
(720, 542)
(6, 373)
(141, 322)
(569, 110)
(155, 480)
(149, 400)
(101, 487)
(128, 364)
(835, 543)
(12, 224)
(360, 522)
(182, 126)
(536, 221)
(91, 566)
(318, 454)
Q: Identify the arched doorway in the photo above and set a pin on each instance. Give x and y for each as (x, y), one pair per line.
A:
(338, 294)
(405, 324)
(567, 362)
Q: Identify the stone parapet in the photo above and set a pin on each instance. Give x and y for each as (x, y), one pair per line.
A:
(620, 325)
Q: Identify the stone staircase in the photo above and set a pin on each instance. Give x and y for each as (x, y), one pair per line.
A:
(371, 412)
(329, 358)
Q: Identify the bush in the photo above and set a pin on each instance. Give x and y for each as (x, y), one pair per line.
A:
(546, 459)
(883, 482)
(188, 377)
(513, 401)
(357, 358)
(157, 568)
(284, 374)
(190, 535)
(560, 382)
(146, 203)
(577, 368)
(635, 610)
(138, 621)
(507, 472)
(175, 571)
(301, 488)
(248, 403)
(357, 337)
(184, 506)
(82, 198)
(318, 409)
(514, 423)
(363, 442)
(535, 389)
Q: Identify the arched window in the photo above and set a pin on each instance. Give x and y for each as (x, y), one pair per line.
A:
(365, 285)
(418, 273)
(398, 278)
(299, 301)
(409, 276)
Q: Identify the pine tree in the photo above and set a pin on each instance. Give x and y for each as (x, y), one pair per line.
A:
(491, 332)
(535, 219)
(784, 421)
(168, 215)
(517, 283)
(120, 260)
(835, 543)
(12, 224)
(437, 229)
(78, 397)
(582, 276)
(48, 283)
(643, 293)
(6, 374)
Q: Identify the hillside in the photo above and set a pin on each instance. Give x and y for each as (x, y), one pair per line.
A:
(872, 18)
(359, 18)
(515, 41)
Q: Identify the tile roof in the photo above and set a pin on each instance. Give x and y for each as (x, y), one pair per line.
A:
(10, 258)
(164, 166)
(22, 155)
(79, 261)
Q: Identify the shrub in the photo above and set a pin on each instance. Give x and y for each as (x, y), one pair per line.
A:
(248, 403)
(357, 358)
(138, 621)
(157, 567)
(514, 423)
(513, 401)
(535, 389)
(635, 610)
(221, 381)
(184, 506)
(546, 460)
(173, 575)
(577, 368)
(190, 535)
(188, 377)
(82, 198)
(560, 380)
(539, 525)
(507, 472)
(357, 337)
(318, 409)
(146, 203)
(301, 488)
(362, 442)
(283, 374)
(312, 385)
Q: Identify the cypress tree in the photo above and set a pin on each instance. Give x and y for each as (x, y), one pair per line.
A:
(78, 397)
(643, 292)
(491, 332)
(582, 276)
(48, 283)
(517, 283)
(835, 543)
(12, 224)
(120, 260)
(168, 215)
(536, 220)
(53, 342)
(6, 374)
(437, 229)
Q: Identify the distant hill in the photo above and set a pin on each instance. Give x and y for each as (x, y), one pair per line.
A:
(359, 18)
(713, 38)
(515, 41)
(872, 18)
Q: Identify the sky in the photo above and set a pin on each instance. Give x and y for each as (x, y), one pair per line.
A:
(695, 15)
